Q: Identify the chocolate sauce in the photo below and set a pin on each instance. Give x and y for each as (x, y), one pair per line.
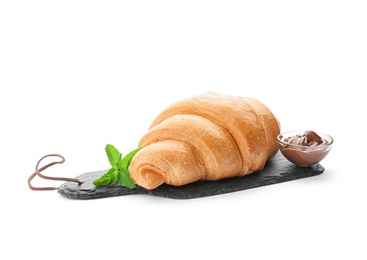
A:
(308, 138)
(305, 149)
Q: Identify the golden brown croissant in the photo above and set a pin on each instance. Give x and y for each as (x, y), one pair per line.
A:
(207, 137)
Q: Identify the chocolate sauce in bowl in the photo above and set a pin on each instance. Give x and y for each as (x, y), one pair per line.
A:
(305, 149)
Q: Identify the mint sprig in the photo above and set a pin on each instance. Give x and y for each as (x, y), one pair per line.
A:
(119, 171)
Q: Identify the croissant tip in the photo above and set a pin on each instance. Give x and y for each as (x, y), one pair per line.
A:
(150, 180)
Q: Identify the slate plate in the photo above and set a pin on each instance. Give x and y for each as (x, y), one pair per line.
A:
(277, 170)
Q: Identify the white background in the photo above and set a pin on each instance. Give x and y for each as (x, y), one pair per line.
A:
(76, 75)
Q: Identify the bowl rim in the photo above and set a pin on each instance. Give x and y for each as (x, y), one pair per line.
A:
(304, 146)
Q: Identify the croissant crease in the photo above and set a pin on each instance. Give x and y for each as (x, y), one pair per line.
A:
(206, 137)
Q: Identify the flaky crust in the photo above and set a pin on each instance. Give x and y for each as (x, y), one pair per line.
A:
(207, 137)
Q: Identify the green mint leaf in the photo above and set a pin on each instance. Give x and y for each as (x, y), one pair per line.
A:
(125, 179)
(109, 178)
(114, 176)
(119, 171)
(114, 156)
(125, 162)
(105, 179)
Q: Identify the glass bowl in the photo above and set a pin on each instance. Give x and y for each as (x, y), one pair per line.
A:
(304, 155)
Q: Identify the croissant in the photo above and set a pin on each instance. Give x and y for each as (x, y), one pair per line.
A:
(206, 137)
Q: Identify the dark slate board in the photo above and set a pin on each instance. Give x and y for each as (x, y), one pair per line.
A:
(276, 170)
